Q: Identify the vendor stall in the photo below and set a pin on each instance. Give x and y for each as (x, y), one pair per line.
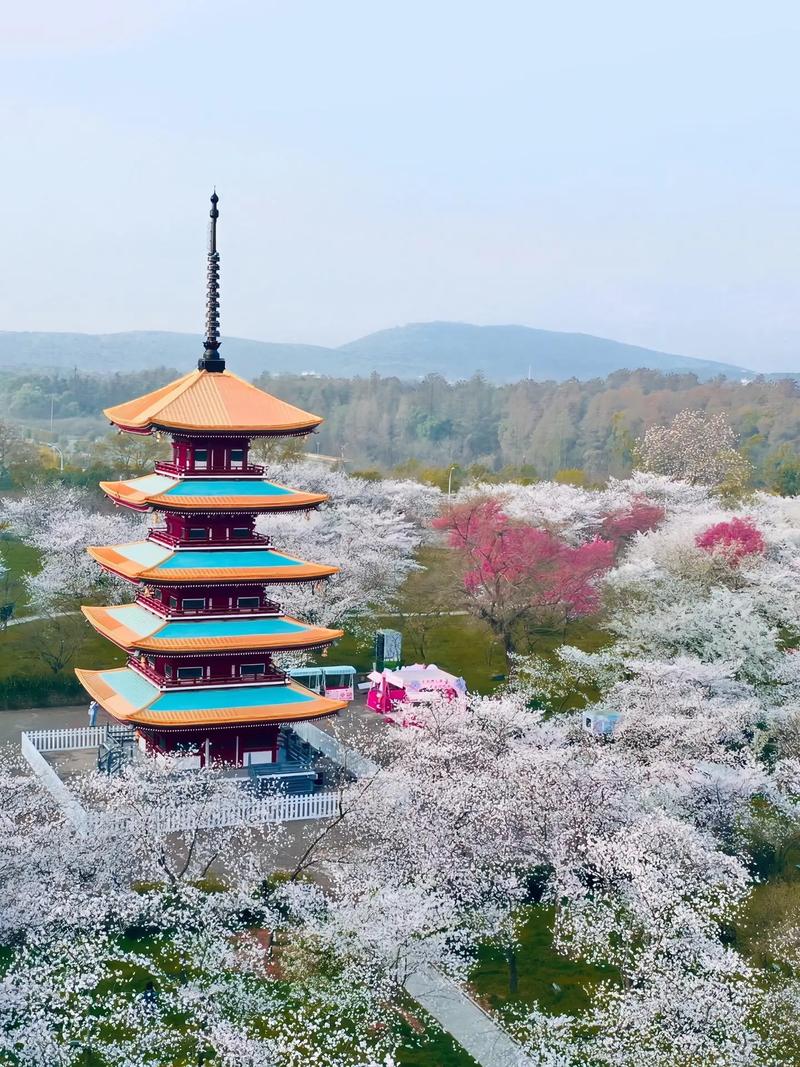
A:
(416, 684)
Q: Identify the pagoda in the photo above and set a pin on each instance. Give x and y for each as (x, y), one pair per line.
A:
(200, 685)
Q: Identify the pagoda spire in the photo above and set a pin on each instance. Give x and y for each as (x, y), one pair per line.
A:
(211, 359)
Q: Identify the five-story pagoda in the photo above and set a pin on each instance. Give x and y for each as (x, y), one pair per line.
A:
(200, 681)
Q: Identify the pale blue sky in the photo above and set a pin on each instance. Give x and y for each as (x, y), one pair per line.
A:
(625, 169)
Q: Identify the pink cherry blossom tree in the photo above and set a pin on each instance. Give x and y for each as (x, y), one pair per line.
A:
(622, 524)
(516, 574)
(735, 539)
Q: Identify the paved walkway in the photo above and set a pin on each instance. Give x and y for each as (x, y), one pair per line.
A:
(475, 1030)
(12, 723)
(37, 618)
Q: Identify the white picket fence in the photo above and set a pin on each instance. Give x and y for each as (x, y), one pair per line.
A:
(64, 740)
(244, 811)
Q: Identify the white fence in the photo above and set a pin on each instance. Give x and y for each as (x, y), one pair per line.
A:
(244, 811)
(69, 803)
(63, 740)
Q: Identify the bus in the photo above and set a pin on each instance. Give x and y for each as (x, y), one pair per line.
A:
(337, 683)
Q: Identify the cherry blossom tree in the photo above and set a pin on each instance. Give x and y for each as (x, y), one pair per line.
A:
(621, 525)
(112, 945)
(363, 529)
(521, 574)
(60, 522)
(735, 539)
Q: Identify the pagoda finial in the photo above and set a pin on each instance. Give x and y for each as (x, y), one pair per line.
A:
(211, 360)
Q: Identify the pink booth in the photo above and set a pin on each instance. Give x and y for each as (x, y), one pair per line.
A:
(414, 685)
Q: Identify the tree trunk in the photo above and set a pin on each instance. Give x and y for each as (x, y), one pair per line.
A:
(513, 971)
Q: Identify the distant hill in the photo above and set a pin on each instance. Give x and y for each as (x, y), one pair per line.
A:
(509, 353)
(454, 350)
(109, 352)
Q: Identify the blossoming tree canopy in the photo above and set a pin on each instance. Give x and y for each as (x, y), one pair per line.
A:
(514, 570)
(734, 539)
(624, 523)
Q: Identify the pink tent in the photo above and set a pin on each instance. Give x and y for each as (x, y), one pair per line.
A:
(383, 694)
(415, 684)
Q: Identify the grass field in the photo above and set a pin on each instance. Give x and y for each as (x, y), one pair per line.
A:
(19, 656)
(20, 559)
(555, 983)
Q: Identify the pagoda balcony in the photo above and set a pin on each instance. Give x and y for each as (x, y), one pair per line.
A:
(166, 611)
(172, 470)
(269, 677)
(162, 536)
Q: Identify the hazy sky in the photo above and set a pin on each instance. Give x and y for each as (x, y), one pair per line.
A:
(625, 169)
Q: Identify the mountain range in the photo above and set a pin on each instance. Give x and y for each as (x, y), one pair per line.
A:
(453, 349)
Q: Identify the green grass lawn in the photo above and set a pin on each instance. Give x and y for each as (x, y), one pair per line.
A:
(18, 655)
(20, 559)
(436, 1049)
(556, 984)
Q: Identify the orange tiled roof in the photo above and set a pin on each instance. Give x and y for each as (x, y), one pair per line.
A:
(216, 402)
(281, 568)
(128, 494)
(100, 687)
(114, 628)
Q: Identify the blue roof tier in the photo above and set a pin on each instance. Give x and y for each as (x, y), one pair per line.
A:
(129, 697)
(133, 627)
(150, 561)
(163, 493)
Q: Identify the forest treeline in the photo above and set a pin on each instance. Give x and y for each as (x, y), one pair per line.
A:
(542, 427)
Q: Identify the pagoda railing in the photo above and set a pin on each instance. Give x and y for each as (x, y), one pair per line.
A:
(268, 608)
(159, 533)
(162, 681)
(252, 470)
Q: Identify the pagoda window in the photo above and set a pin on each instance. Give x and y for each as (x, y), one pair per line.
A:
(195, 603)
(190, 672)
(198, 533)
(168, 671)
(241, 531)
(200, 459)
(173, 602)
(248, 602)
(237, 459)
(249, 670)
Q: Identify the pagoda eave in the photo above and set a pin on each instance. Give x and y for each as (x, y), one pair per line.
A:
(129, 698)
(249, 432)
(234, 431)
(277, 568)
(210, 404)
(212, 505)
(209, 495)
(110, 623)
